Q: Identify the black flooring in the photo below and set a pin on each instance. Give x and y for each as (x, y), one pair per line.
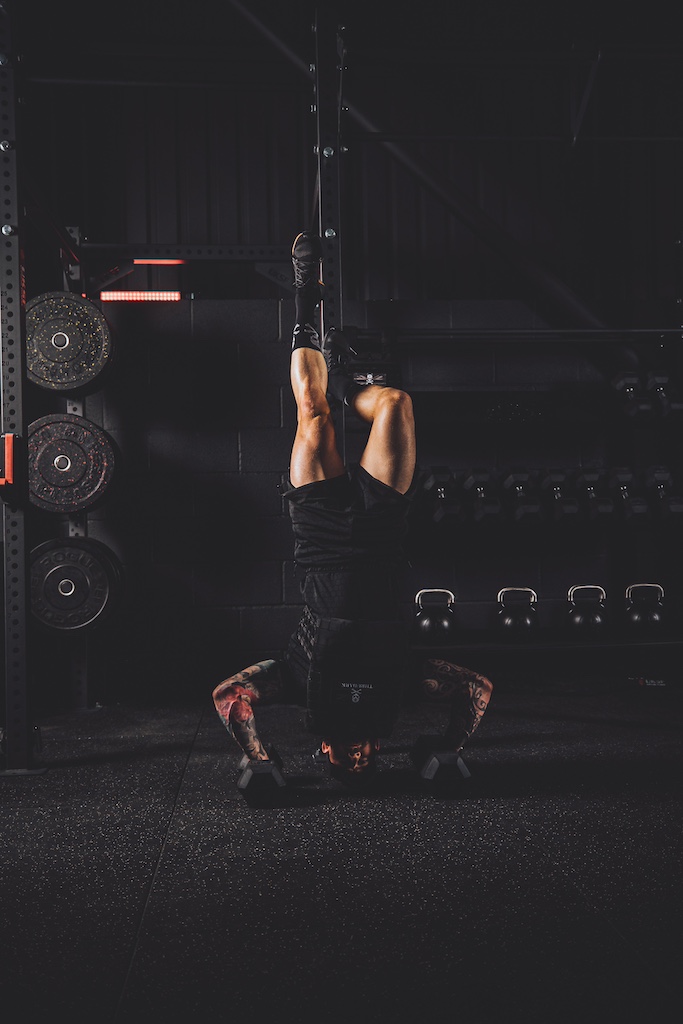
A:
(138, 885)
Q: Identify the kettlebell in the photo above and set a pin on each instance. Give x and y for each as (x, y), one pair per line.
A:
(517, 617)
(645, 606)
(587, 614)
(434, 623)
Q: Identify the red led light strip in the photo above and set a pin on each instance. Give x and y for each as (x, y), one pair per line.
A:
(140, 296)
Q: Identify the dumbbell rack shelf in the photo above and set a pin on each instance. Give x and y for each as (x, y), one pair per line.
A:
(559, 646)
(630, 664)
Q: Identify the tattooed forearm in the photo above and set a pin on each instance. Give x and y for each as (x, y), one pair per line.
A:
(465, 719)
(468, 693)
(245, 735)
(233, 699)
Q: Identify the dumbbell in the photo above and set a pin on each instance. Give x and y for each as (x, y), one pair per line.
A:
(633, 506)
(635, 402)
(261, 783)
(444, 768)
(665, 398)
(437, 767)
(564, 505)
(524, 506)
(660, 483)
(480, 487)
(597, 501)
(440, 485)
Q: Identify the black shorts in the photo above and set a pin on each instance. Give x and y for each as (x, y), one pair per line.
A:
(349, 519)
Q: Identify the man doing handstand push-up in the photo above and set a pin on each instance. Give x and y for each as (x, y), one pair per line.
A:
(348, 660)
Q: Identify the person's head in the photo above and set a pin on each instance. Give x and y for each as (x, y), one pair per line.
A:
(352, 760)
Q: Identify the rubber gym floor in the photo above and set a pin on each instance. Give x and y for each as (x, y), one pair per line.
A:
(139, 885)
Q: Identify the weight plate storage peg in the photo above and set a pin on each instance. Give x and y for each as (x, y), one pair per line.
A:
(71, 463)
(434, 622)
(587, 612)
(517, 617)
(68, 342)
(75, 583)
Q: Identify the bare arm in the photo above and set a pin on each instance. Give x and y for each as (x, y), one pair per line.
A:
(233, 700)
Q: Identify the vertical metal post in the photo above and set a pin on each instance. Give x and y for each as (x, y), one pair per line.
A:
(329, 62)
(18, 733)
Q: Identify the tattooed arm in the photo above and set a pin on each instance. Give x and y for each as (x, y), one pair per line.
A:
(233, 700)
(466, 693)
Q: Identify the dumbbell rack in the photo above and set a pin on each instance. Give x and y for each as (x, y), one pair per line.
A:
(625, 496)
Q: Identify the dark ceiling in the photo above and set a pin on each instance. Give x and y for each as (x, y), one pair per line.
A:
(68, 39)
(215, 145)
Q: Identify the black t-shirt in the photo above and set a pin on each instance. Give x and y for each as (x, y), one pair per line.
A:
(349, 653)
(348, 519)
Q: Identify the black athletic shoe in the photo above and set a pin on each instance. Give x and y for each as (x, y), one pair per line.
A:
(337, 348)
(306, 257)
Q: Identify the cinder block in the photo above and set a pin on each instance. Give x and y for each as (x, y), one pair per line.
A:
(166, 583)
(269, 537)
(536, 363)
(216, 632)
(288, 414)
(150, 321)
(162, 495)
(175, 448)
(406, 314)
(263, 451)
(214, 494)
(449, 366)
(355, 313)
(292, 578)
(262, 363)
(236, 320)
(220, 586)
(267, 627)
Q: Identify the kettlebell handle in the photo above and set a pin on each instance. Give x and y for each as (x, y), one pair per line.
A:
(526, 590)
(418, 596)
(585, 586)
(637, 586)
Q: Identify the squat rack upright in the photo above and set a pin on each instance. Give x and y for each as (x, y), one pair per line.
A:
(17, 732)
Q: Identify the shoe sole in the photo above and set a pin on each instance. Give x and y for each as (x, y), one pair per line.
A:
(300, 235)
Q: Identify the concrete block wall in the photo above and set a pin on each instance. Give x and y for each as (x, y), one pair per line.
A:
(199, 405)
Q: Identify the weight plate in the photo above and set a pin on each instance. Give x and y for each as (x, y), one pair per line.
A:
(68, 342)
(71, 463)
(75, 582)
